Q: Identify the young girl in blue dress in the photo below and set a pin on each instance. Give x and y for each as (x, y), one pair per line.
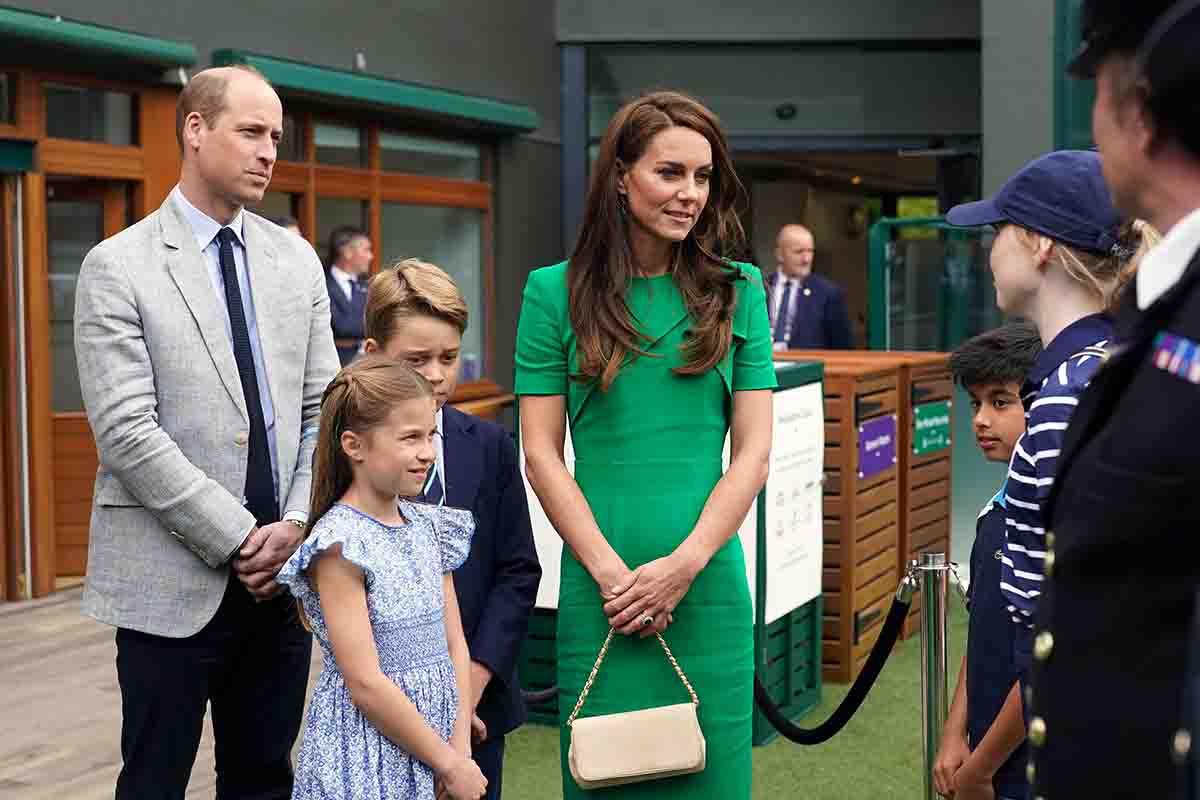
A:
(387, 719)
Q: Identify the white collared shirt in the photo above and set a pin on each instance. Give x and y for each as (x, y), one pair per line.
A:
(780, 287)
(205, 229)
(345, 280)
(1165, 264)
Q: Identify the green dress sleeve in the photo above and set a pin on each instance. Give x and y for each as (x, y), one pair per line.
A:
(541, 355)
(753, 361)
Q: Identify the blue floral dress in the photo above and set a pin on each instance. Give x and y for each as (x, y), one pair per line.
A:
(343, 755)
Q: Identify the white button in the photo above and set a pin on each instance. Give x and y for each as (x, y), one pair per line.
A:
(241, 438)
(1182, 745)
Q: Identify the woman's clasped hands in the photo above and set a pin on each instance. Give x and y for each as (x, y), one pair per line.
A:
(643, 600)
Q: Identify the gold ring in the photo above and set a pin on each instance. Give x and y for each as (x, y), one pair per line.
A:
(647, 620)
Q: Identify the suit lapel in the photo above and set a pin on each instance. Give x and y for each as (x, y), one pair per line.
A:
(189, 272)
(463, 453)
(267, 287)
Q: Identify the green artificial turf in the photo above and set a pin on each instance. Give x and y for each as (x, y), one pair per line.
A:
(877, 754)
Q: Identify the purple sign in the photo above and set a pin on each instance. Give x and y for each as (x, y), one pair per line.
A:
(876, 446)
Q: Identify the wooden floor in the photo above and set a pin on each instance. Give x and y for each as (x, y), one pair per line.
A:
(60, 709)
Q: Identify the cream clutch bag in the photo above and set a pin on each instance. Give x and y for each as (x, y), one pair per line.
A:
(635, 746)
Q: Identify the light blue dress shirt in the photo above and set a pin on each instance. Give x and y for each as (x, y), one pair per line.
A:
(206, 229)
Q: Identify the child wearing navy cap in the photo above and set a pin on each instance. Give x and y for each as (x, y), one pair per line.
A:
(983, 752)
(1059, 251)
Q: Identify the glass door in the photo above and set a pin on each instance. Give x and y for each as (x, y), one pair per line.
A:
(80, 213)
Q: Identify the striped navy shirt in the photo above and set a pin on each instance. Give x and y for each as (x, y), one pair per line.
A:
(1050, 394)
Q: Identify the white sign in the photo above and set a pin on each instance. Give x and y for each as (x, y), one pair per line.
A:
(794, 501)
(547, 541)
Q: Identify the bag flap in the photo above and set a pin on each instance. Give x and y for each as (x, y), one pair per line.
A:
(652, 740)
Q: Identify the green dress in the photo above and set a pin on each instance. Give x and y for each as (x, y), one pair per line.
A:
(648, 454)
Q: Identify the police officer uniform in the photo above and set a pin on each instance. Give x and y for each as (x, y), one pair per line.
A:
(1122, 559)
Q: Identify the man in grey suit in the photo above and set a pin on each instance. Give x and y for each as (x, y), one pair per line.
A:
(203, 343)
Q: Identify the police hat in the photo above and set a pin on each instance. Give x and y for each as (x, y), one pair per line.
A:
(1161, 33)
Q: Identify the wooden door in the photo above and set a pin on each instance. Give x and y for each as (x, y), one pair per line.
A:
(11, 528)
(80, 213)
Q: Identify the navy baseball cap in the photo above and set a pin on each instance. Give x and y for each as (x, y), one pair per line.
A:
(1061, 195)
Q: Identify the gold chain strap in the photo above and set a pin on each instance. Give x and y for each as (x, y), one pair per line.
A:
(587, 687)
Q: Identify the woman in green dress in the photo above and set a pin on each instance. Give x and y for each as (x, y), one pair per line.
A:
(652, 347)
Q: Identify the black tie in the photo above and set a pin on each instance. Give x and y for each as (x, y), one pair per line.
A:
(781, 316)
(260, 485)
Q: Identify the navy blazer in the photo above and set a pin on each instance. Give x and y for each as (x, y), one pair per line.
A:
(820, 321)
(346, 315)
(497, 585)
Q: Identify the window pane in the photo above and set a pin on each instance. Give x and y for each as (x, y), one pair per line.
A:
(90, 115)
(340, 145)
(333, 213)
(73, 227)
(451, 238)
(291, 146)
(419, 155)
(7, 92)
(276, 205)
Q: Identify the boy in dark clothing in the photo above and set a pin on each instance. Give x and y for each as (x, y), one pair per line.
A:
(983, 744)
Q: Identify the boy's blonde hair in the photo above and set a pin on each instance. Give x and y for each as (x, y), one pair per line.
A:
(408, 288)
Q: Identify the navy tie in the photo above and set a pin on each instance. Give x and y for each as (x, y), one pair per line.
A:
(433, 492)
(781, 316)
(260, 485)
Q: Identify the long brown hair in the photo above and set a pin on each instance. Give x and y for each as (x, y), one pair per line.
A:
(408, 288)
(359, 398)
(603, 265)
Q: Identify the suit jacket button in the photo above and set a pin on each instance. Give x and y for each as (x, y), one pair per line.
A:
(1037, 731)
(241, 438)
(1031, 773)
(1048, 567)
(1043, 645)
(1049, 538)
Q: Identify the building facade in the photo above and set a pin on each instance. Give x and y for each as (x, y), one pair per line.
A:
(461, 131)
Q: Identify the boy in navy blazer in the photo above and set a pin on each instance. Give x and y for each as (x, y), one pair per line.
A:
(807, 311)
(416, 314)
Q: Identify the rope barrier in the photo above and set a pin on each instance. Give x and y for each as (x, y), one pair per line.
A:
(540, 696)
(858, 692)
(888, 636)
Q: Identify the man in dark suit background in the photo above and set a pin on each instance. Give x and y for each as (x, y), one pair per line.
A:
(808, 312)
(417, 315)
(349, 263)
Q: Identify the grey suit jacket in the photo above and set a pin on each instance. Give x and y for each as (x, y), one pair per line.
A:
(165, 403)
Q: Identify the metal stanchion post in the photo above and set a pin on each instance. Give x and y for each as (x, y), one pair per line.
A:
(934, 574)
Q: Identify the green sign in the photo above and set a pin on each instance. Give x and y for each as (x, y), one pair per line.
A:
(931, 427)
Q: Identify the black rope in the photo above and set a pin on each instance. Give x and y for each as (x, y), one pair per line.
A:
(540, 696)
(858, 692)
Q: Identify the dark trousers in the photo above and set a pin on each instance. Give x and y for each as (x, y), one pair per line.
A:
(490, 757)
(251, 662)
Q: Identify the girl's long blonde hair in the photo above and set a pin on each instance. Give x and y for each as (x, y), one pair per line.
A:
(358, 399)
(1105, 275)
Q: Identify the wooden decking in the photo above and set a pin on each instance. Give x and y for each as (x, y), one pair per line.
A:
(60, 709)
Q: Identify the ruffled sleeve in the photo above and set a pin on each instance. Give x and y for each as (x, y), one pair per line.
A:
(337, 527)
(454, 528)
